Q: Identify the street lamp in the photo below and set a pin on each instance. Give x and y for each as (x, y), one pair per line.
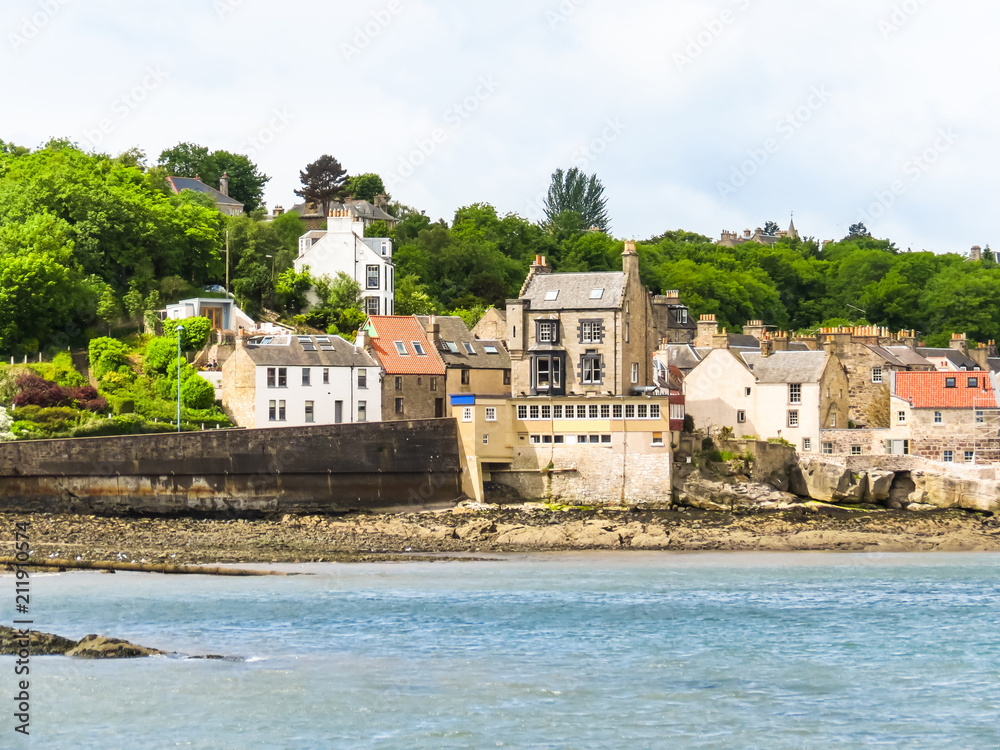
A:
(180, 331)
(272, 267)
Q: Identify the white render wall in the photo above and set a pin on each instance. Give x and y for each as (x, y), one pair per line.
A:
(345, 248)
(343, 386)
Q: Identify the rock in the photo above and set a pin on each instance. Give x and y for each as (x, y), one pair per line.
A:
(42, 644)
(880, 484)
(825, 481)
(943, 491)
(921, 507)
(101, 647)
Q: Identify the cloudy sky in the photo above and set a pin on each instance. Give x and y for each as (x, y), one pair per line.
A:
(702, 115)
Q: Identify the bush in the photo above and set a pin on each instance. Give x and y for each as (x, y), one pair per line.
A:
(161, 354)
(707, 444)
(196, 393)
(60, 371)
(36, 391)
(688, 423)
(106, 355)
(196, 331)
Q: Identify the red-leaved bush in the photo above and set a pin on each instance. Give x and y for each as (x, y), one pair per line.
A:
(37, 391)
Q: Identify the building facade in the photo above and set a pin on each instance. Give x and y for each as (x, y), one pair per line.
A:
(472, 365)
(413, 385)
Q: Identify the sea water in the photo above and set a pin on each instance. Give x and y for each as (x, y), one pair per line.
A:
(591, 650)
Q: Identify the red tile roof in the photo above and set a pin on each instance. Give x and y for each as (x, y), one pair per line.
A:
(926, 390)
(385, 330)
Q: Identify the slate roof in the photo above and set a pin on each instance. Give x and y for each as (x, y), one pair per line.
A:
(928, 390)
(994, 363)
(787, 367)
(360, 208)
(292, 351)
(575, 290)
(954, 356)
(385, 330)
(453, 329)
(683, 356)
(907, 357)
(189, 183)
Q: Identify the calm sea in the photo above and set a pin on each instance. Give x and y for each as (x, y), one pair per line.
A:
(552, 651)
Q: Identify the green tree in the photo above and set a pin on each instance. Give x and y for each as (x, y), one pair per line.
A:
(576, 191)
(196, 331)
(108, 308)
(858, 230)
(291, 289)
(771, 228)
(412, 298)
(322, 182)
(246, 181)
(365, 186)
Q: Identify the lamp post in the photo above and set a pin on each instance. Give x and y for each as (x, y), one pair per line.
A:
(180, 332)
(272, 267)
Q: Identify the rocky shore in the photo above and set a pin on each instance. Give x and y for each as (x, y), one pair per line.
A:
(530, 527)
(12, 642)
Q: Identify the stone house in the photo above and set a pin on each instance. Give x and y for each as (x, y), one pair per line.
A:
(413, 384)
(291, 381)
(732, 239)
(770, 394)
(582, 333)
(225, 204)
(472, 365)
(492, 326)
(343, 247)
(958, 356)
(363, 211)
(949, 416)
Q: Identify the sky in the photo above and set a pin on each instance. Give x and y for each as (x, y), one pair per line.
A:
(703, 115)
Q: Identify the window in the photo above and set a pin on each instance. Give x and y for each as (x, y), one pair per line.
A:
(399, 383)
(938, 417)
(362, 411)
(876, 374)
(833, 420)
(605, 411)
(605, 439)
(491, 414)
(682, 315)
(795, 393)
(506, 377)
(451, 346)
(658, 439)
(533, 411)
(535, 439)
(418, 348)
(522, 411)
(900, 417)
(570, 412)
(654, 411)
(807, 445)
(467, 414)
(626, 333)
(326, 376)
(855, 450)
(590, 367)
(828, 449)
(271, 377)
(362, 378)
(489, 349)
(948, 457)
(486, 439)
(282, 377)
(552, 295)
(546, 332)
(310, 412)
(592, 411)
(465, 377)
(594, 438)
(542, 373)
(677, 412)
(434, 384)
(420, 380)
(980, 416)
(557, 411)
(559, 439)
(641, 411)
(747, 391)
(469, 349)
(970, 457)
(629, 411)
(591, 332)
(596, 293)
(385, 248)
(741, 417)
(401, 348)
(581, 439)
(793, 417)
(546, 411)
(616, 411)
(635, 372)
(306, 376)
(949, 382)
(373, 277)
(399, 406)
(547, 439)
(281, 411)
(371, 305)
(272, 411)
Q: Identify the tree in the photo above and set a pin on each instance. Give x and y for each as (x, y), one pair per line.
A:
(291, 289)
(322, 182)
(771, 228)
(184, 160)
(858, 230)
(246, 183)
(365, 187)
(108, 309)
(576, 191)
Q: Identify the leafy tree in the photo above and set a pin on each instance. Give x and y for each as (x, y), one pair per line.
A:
(412, 297)
(196, 331)
(291, 289)
(133, 301)
(108, 308)
(322, 182)
(858, 230)
(771, 228)
(106, 355)
(365, 187)
(576, 191)
(246, 182)
(184, 160)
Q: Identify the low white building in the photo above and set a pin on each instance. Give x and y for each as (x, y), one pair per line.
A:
(344, 247)
(292, 381)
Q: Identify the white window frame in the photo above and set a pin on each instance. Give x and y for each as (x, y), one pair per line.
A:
(466, 413)
(807, 445)
(635, 372)
(491, 414)
(401, 349)
(793, 417)
(795, 393)
(876, 374)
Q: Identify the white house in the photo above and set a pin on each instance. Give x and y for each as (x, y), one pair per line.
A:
(344, 247)
(291, 381)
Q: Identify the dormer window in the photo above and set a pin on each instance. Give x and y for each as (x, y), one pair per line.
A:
(489, 349)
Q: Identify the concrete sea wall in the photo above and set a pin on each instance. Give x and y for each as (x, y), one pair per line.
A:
(322, 469)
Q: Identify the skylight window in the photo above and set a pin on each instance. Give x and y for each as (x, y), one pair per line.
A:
(401, 348)
(326, 347)
(308, 346)
(551, 295)
(468, 347)
(452, 346)
(596, 293)
(419, 348)
(490, 349)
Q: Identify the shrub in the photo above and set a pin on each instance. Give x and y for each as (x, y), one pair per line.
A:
(196, 331)
(161, 354)
(106, 355)
(707, 444)
(196, 393)
(60, 370)
(688, 423)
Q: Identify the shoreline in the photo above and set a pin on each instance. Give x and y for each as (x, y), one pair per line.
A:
(465, 530)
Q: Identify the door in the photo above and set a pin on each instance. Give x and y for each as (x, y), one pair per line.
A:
(439, 407)
(338, 412)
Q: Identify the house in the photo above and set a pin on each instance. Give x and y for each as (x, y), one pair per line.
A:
(225, 204)
(732, 239)
(492, 326)
(367, 213)
(223, 313)
(582, 333)
(672, 319)
(288, 381)
(471, 365)
(773, 393)
(947, 416)
(343, 247)
(957, 356)
(413, 384)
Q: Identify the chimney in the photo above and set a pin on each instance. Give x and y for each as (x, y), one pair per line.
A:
(720, 340)
(746, 233)
(779, 343)
(960, 343)
(381, 201)
(980, 355)
(224, 184)
(673, 297)
(707, 328)
(766, 348)
(754, 328)
(630, 260)
(198, 177)
(541, 265)
(909, 339)
(976, 253)
(279, 210)
(433, 330)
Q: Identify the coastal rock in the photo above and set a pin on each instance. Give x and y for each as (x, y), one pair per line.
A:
(101, 647)
(880, 485)
(42, 644)
(944, 491)
(824, 480)
(697, 491)
(921, 507)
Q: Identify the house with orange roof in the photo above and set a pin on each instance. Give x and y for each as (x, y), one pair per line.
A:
(413, 379)
(948, 416)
